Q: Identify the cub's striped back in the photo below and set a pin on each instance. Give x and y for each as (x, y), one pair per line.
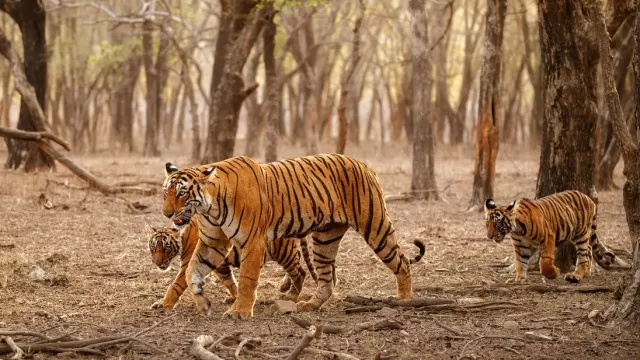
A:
(546, 223)
(165, 243)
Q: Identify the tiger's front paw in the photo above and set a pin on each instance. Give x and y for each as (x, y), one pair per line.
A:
(312, 304)
(163, 304)
(550, 272)
(203, 305)
(234, 313)
(573, 278)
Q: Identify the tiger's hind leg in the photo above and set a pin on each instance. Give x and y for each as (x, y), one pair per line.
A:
(285, 252)
(583, 263)
(385, 245)
(326, 243)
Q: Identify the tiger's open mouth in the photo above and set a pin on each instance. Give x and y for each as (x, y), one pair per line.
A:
(181, 222)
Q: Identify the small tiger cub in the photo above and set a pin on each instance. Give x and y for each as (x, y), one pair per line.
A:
(166, 242)
(546, 223)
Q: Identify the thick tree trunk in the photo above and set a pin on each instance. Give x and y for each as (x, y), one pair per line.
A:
(628, 309)
(423, 180)
(31, 18)
(489, 107)
(569, 59)
(230, 92)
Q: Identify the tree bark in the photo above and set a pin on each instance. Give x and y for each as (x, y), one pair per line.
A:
(489, 105)
(569, 59)
(622, 47)
(230, 92)
(355, 79)
(31, 18)
(273, 89)
(423, 180)
(627, 310)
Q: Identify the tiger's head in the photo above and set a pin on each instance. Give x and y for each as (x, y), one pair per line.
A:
(500, 220)
(183, 192)
(164, 245)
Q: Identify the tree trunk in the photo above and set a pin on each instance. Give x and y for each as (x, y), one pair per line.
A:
(31, 18)
(151, 128)
(569, 59)
(622, 47)
(535, 76)
(457, 123)
(353, 85)
(273, 89)
(627, 310)
(489, 107)
(254, 118)
(423, 180)
(230, 92)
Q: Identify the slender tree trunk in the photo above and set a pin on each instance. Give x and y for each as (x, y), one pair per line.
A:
(510, 114)
(254, 116)
(627, 310)
(353, 85)
(535, 76)
(423, 180)
(622, 47)
(489, 105)
(151, 76)
(273, 99)
(569, 60)
(31, 18)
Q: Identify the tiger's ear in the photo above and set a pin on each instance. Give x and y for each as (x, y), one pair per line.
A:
(149, 229)
(169, 168)
(489, 205)
(511, 206)
(208, 171)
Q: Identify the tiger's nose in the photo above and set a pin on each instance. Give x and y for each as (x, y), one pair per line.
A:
(168, 213)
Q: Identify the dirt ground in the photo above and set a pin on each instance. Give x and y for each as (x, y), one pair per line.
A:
(104, 282)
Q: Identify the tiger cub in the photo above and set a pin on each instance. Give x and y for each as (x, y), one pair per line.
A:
(165, 243)
(546, 223)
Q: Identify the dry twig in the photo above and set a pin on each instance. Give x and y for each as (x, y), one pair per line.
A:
(327, 329)
(313, 333)
(198, 348)
(14, 348)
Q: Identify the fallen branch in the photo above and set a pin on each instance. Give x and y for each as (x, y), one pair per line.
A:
(327, 329)
(14, 348)
(198, 348)
(376, 325)
(33, 136)
(450, 329)
(24, 333)
(246, 342)
(330, 354)
(82, 346)
(313, 333)
(511, 286)
(362, 300)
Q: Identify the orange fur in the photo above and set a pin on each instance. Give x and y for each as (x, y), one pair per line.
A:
(545, 223)
(165, 243)
(241, 201)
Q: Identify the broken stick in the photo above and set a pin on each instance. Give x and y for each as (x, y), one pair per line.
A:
(313, 333)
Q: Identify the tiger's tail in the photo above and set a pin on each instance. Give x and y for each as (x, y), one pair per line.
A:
(307, 259)
(601, 254)
(421, 247)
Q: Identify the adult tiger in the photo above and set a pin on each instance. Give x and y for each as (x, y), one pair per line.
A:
(547, 222)
(166, 242)
(241, 201)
